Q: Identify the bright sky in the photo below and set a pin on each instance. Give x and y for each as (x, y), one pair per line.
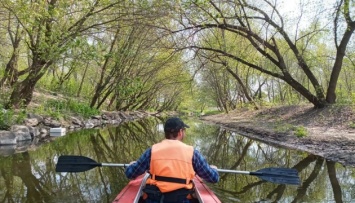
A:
(307, 10)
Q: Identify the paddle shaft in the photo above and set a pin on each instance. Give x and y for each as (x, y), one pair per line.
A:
(233, 171)
(115, 165)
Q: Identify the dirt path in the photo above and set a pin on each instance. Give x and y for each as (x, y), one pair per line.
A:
(330, 131)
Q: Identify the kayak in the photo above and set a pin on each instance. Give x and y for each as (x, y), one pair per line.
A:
(132, 192)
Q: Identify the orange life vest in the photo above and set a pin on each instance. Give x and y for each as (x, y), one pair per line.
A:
(173, 159)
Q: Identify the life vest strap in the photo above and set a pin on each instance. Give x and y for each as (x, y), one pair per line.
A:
(152, 192)
(170, 179)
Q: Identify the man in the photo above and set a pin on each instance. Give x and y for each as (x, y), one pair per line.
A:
(172, 165)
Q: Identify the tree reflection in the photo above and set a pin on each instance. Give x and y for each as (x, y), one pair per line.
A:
(30, 176)
(239, 153)
(301, 192)
(334, 181)
(36, 189)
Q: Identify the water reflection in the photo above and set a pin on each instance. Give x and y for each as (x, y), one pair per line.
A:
(30, 176)
(22, 146)
(319, 177)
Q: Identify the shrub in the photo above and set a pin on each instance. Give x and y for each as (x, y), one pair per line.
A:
(5, 118)
(8, 117)
(300, 131)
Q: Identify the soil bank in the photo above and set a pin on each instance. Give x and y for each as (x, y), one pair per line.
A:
(330, 132)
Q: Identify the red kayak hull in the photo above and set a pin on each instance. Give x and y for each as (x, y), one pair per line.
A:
(132, 192)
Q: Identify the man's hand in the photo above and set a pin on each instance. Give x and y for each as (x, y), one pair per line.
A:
(132, 162)
(213, 166)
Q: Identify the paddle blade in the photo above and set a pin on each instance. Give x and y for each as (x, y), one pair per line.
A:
(278, 175)
(68, 163)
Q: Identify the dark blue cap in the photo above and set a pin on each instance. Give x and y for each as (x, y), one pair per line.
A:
(174, 124)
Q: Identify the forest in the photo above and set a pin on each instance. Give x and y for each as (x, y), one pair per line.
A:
(187, 55)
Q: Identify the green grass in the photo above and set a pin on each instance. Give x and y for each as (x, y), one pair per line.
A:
(61, 108)
(300, 131)
(283, 127)
(9, 117)
(212, 112)
(351, 125)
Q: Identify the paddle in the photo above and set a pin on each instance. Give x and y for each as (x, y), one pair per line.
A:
(274, 175)
(69, 163)
(72, 163)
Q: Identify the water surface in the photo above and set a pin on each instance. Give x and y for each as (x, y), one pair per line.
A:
(30, 176)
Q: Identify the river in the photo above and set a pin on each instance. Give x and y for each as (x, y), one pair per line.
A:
(30, 176)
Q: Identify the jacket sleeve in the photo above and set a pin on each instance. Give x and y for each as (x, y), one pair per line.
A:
(203, 169)
(140, 166)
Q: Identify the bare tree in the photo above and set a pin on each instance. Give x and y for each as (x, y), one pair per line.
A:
(264, 27)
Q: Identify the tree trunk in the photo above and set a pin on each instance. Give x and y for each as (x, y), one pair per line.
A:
(331, 95)
(243, 87)
(82, 80)
(11, 72)
(316, 101)
(22, 93)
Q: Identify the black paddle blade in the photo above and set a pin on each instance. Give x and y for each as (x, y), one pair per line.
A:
(68, 163)
(278, 175)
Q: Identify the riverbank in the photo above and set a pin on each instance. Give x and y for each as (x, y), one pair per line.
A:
(330, 132)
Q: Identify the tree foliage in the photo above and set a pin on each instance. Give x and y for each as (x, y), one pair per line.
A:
(268, 33)
(126, 55)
